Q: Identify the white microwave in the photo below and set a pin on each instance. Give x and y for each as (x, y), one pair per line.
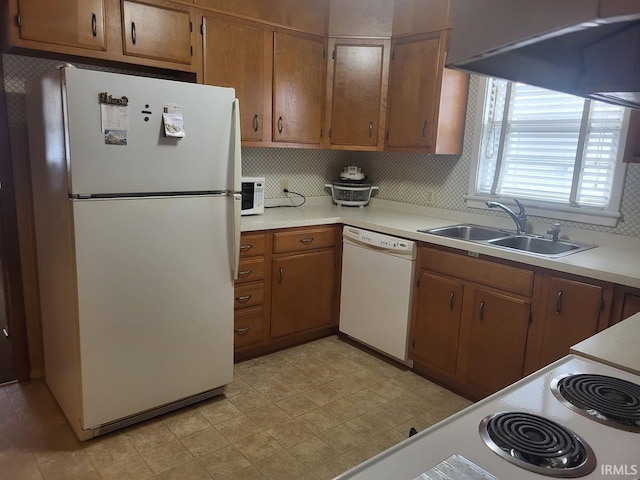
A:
(252, 195)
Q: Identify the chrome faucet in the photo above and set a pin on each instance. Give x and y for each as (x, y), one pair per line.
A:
(520, 219)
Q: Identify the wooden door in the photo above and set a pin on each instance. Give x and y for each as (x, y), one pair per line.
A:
(497, 340)
(299, 66)
(571, 314)
(358, 83)
(416, 74)
(235, 56)
(436, 326)
(302, 289)
(156, 32)
(76, 23)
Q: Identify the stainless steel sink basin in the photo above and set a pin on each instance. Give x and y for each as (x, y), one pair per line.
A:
(530, 244)
(542, 246)
(468, 232)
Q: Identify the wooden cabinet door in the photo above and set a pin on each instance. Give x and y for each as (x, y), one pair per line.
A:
(235, 55)
(497, 340)
(416, 73)
(436, 325)
(571, 314)
(358, 74)
(299, 65)
(75, 23)
(156, 32)
(302, 289)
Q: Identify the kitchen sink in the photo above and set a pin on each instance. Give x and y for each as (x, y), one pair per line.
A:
(539, 245)
(531, 244)
(468, 232)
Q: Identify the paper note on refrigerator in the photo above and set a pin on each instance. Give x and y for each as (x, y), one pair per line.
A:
(115, 123)
(173, 120)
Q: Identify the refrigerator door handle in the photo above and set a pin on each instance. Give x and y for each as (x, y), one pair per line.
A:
(237, 206)
(237, 154)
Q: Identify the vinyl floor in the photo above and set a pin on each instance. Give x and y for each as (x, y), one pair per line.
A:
(308, 412)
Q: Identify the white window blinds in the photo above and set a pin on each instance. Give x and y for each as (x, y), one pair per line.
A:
(544, 145)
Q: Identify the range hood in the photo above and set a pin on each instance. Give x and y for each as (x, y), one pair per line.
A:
(589, 48)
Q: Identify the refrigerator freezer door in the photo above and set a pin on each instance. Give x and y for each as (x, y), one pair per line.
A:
(155, 301)
(149, 162)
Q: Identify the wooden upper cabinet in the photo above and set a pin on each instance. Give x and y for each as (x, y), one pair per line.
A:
(239, 56)
(299, 65)
(357, 83)
(416, 72)
(427, 103)
(157, 32)
(358, 18)
(75, 23)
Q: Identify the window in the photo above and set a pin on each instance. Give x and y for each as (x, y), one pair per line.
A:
(559, 153)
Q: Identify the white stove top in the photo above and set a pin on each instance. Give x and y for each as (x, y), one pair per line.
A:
(617, 451)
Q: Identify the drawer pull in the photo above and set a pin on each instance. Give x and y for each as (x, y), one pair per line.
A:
(244, 248)
(256, 123)
(559, 303)
(451, 297)
(306, 240)
(242, 331)
(94, 25)
(243, 298)
(370, 129)
(133, 32)
(281, 275)
(424, 129)
(245, 273)
(482, 310)
(280, 125)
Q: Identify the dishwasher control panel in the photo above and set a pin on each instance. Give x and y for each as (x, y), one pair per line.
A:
(378, 240)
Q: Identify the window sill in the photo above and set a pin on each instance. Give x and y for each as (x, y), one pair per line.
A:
(556, 212)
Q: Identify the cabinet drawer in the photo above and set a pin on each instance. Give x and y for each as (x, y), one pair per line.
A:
(252, 245)
(247, 327)
(493, 274)
(251, 269)
(248, 296)
(301, 240)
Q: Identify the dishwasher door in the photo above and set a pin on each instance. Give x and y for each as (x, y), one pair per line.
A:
(376, 291)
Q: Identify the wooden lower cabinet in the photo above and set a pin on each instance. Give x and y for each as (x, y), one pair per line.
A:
(436, 326)
(497, 339)
(302, 292)
(626, 302)
(470, 320)
(287, 290)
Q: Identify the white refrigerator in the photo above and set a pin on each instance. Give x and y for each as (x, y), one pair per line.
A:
(137, 235)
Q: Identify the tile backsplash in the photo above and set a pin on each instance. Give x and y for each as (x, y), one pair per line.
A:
(402, 177)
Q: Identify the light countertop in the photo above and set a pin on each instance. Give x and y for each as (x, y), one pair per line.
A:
(616, 346)
(616, 259)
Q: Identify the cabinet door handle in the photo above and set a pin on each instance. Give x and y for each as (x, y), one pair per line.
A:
(451, 297)
(256, 123)
(245, 273)
(133, 32)
(242, 331)
(370, 129)
(306, 240)
(245, 248)
(559, 303)
(424, 129)
(94, 25)
(243, 298)
(280, 276)
(280, 124)
(482, 310)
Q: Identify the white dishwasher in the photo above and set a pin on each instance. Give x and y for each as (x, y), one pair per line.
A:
(376, 291)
